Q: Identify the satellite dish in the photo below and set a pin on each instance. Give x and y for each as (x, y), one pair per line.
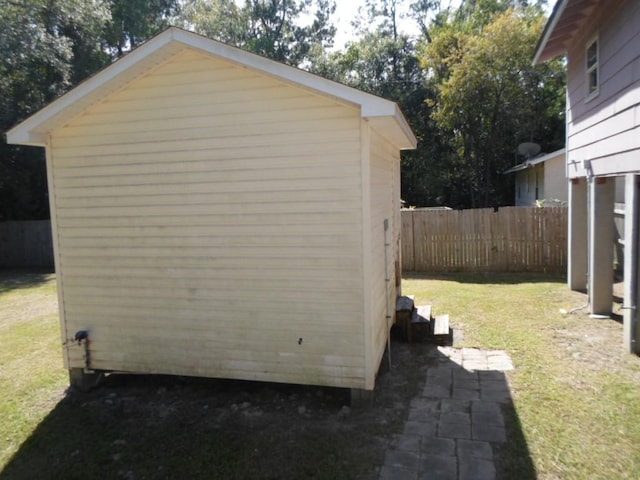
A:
(528, 149)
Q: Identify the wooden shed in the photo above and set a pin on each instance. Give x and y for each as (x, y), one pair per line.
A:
(219, 214)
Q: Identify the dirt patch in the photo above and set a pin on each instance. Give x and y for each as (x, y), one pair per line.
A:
(138, 427)
(26, 296)
(145, 426)
(595, 344)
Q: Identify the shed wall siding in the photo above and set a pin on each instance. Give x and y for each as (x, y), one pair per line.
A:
(385, 204)
(530, 182)
(555, 179)
(605, 130)
(208, 224)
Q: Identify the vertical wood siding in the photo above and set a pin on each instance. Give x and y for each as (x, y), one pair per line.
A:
(208, 225)
(26, 244)
(514, 239)
(606, 128)
(556, 186)
(526, 181)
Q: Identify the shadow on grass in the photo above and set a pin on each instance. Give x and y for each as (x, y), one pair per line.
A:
(144, 426)
(136, 426)
(488, 278)
(14, 279)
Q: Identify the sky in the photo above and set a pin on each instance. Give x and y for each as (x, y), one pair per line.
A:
(347, 10)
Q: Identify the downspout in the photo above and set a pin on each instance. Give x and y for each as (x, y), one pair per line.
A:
(589, 176)
(631, 262)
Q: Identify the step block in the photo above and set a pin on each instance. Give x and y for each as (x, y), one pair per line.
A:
(440, 325)
(405, 303)
(423, 314)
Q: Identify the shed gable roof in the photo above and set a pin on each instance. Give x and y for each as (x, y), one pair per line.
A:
(565, 22)
(383, 114)
(535, 161)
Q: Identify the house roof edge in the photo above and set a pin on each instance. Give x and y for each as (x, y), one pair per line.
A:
(550, 26)
(34, 129)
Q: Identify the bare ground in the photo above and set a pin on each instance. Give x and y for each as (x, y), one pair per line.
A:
(137, 427)
(594, 344)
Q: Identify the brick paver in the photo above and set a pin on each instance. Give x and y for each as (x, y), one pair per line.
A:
(454, 422)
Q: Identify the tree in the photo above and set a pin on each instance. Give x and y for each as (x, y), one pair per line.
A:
(132, 22)
(384, 61)
(489, 96)
(45, 48)
(220, 20)
(284, 30)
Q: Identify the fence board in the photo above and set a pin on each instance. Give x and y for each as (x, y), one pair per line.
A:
(512, 239)
(408, 256)
(26, 244)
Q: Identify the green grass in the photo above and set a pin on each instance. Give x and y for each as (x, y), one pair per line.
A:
(137, 426)
(576, 394)
(31, 375)
(576, 398)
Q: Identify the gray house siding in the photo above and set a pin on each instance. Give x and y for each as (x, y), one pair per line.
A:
(603, 145)
(603, 132)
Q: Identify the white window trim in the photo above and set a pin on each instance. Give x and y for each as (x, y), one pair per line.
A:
(589, 95)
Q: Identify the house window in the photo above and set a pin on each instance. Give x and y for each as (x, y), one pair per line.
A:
(593, 74)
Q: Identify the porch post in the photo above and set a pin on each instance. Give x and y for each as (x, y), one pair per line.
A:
(601, 234)
(631, 263)
(577, 235)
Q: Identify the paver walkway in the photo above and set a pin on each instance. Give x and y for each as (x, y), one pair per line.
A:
(454, 422)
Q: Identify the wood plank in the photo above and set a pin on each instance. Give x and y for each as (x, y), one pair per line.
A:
(424, 314)
(337, 207)
(408, 246)
(344, 377)
(405, 303)
(285, 103)
(440, 325)
(313, 112)
(278, 141)
(481, 240)
(242, 129)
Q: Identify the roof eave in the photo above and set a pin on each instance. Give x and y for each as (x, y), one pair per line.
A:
(372, 106)
(42, 122)
(33, 139)
(392, 125)
(548, 30)
(412, 141)
(535, 161)
(30, 130)
(517, 168)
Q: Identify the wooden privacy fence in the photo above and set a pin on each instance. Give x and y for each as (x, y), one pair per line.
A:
(26, 244)
(512, 239)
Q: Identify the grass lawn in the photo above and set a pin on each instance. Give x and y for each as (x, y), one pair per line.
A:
(576, 394)
(576, 398)
(31, 378)
(137, 426)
